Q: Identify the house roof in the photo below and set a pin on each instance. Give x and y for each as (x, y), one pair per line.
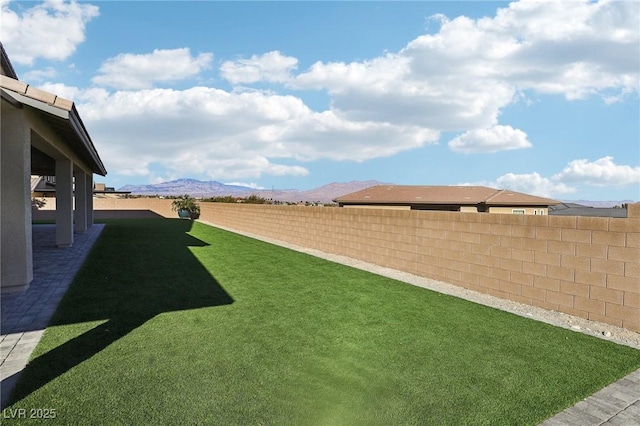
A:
(5, 64)
(573, 209)
(59, 113)
(463, 195)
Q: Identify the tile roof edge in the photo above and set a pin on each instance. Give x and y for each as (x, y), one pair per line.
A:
(30, 91)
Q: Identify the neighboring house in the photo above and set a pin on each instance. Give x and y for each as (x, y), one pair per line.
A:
(573, 209)
(41, 135)
(43, 186)
(447, 198)
(100, 190)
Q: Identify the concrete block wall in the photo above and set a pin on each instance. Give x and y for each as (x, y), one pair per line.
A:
(584, 266)
(588, 267)
(124, 207)
(113, 208)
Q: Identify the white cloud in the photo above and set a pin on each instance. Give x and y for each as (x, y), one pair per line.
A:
(380, 75)
(50, 30)
(461, 77)
(494, 139)
(143, 71)
(533, 183)
(602, 172)
(251, 185)
(458, 78)
(229, 135)
(327, 135)
(575, 49)
(529, 183)
(387, 89)
(34, 76)
(271, 66)
(577, 174)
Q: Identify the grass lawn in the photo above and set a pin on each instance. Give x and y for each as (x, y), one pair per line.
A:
(175, 322)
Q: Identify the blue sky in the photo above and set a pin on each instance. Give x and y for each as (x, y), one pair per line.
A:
(537, 97)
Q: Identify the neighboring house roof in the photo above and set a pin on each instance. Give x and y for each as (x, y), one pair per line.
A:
(568, 205)
(59, 113)
(439, 195)
(573, 209)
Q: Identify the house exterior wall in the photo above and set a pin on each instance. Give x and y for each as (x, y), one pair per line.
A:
(583, 266)
(542, 211)
(529, 210)
(378, 207)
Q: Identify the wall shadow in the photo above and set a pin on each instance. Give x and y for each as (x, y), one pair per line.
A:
(50, 215)
(125, 214)
(135, 271)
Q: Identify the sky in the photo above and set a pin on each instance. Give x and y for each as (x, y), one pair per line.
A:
(540, 97)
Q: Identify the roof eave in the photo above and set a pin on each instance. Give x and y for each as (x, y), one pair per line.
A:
(6, 63)
(71, 116)
(9, 98)
(81, 131)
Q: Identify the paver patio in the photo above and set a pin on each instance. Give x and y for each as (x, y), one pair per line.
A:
(25, 315)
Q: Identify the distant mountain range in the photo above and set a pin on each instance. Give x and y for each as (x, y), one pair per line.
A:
(196, 188)
(323, 194)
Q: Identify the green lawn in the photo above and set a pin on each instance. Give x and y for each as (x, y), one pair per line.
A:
(175, 322)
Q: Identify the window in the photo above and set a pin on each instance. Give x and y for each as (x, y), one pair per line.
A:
(517, 211)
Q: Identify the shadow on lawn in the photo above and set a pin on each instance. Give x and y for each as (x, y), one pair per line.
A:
(136, 270)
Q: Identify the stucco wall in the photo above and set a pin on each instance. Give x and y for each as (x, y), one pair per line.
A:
(584, 266)
(378, 207)
(527, 210)
(16, 260)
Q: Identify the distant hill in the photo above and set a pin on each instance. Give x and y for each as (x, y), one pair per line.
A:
(185, 186)
(196, 188)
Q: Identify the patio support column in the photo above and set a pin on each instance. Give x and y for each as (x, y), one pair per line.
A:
(64, 202)
(89, 188)
(80, 212)
(16, 255)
